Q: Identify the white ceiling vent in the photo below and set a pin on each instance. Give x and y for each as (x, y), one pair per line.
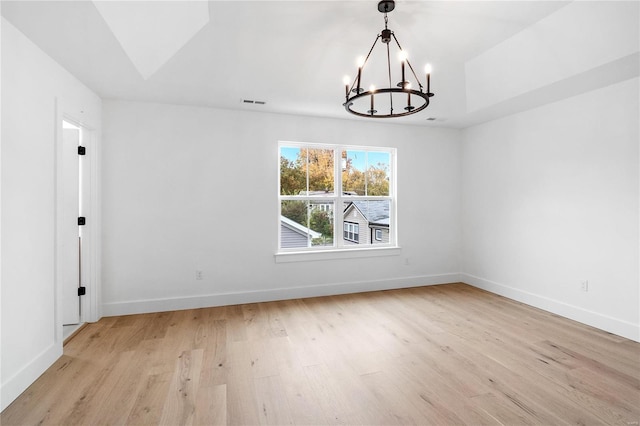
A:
(251, 101)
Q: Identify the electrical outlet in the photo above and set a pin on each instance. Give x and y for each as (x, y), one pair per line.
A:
(584, 285)
(199, 275)
(406, 261)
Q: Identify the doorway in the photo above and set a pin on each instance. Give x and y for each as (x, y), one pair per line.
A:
(70, 249)
(77, 255)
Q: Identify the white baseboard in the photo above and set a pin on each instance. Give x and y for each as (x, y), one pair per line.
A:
(20, 381)
(612, 325)
(603, 322)
(224, 299)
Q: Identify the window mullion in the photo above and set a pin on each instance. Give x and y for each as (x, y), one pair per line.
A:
(338, 220)
(308, 202)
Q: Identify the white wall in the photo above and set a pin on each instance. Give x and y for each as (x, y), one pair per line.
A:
(31, 82)
(191, 188)
(550, 198)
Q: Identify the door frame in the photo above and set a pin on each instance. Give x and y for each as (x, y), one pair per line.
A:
(91, 301)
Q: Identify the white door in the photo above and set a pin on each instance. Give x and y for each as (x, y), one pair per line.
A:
(70, 235)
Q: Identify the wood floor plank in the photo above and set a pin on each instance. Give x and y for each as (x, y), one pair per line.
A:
(504, 413)
(333, 400)
(180, 404)
(211, 406)
(447, 354)
(432, 392)
(523, 389)
(393, 402)
(364, 402)
(124, 391)
(242, 407)
(214, 362)
(263, 361)
(38, 406)
(157, 326)
(272, 402)
(96, 388)
(149, 403)
(304, 403)
(236, 327)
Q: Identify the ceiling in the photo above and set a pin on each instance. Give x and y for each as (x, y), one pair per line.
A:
(290, 54)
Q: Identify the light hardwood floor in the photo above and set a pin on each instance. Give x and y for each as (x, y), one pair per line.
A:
(448, 354)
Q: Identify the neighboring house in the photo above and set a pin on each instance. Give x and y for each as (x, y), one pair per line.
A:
(293, 235)
(366, 222)
(322, 206)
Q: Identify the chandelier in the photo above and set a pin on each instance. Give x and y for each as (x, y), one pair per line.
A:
(407, 97)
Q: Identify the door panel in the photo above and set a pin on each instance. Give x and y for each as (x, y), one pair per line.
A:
(69, 237)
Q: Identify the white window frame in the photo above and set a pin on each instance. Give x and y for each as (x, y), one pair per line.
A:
(341, 248)
(377, 234)
(351, 228)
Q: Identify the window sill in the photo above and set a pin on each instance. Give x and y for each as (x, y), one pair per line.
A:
(309, 256)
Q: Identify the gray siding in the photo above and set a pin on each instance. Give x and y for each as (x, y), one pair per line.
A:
(366, 234)
(292, 239)
(354, 216)
(385, 235)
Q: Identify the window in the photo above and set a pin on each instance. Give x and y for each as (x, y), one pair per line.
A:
(351, 232)
(327, 188)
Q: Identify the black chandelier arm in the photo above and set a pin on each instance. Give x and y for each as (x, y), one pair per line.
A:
(408, 63)
(371, 50)
(365, 61)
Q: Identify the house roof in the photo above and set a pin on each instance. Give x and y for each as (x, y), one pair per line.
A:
(300, 229)
(376, 212)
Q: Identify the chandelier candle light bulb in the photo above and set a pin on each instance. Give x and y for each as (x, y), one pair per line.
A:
(403, 58)
(409, 107)
(360, 65)
(372, 90)
(346, 82)
(427, 69)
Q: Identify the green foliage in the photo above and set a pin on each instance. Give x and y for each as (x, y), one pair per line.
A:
(317, 165)
(321, 222)
(295, 210)
(320, 168)
(293, 178)
(373, 182)
(377, 180)
(322, 241)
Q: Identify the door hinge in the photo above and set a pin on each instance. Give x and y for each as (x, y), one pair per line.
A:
(82, 291)
(82, 221)
(82, 150)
